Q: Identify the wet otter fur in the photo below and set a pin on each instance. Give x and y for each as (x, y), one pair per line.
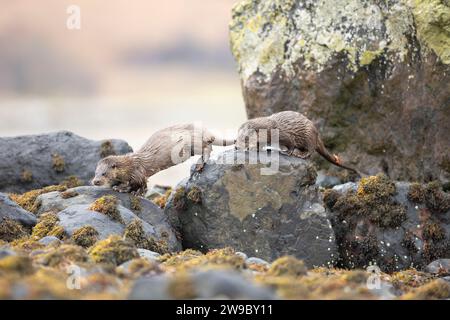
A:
(298, 136)
(129, 172)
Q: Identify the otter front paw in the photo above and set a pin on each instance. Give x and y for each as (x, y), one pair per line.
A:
(122, 188)
(199, 167)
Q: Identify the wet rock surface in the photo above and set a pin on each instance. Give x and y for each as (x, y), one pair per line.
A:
(35, 161)
(266, 216)
(10, 210)
(74, 212)
(394, 225)
(372, 75)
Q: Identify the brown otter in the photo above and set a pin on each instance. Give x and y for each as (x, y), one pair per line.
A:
(298, 136)
(165, 148)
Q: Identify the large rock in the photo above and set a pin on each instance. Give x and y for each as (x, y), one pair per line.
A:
(35, 161)
(10, 210)
(73, 211)
(394, 225)
(264, 214)
(211, 284)
(373, 75)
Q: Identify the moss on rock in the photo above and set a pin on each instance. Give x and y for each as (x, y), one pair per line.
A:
(85, 236)
(48, 225)
(28, 200)
(287, 266)
(162, 200)
(63, 255)
(135, 233)
(436, 289)
(108, 206)
(58, 163)
(11, 230)
(19, 264)
(113, 250)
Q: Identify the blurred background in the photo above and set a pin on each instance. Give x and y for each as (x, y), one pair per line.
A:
(132, 68)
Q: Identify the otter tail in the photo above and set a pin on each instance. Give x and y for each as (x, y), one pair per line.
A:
(334, 159)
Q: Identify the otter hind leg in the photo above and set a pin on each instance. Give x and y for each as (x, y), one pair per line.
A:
(302, 154)
(206, 153)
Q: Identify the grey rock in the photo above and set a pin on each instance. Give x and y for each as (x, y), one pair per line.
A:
(148, 254)
(211, 284)
(241, 254)
(5, 252)
(48, 240)
(326, 181)
(267, 215)
(440, 266)
(10, 210)
(356, 71)
(343, 188)
(85, 196)
(258, 261)
(77, 216)
(27, 161)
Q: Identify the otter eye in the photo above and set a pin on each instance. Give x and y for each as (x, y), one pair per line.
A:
(104, 174)
(114, 166)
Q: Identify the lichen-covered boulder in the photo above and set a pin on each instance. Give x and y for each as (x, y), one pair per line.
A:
(10, 210)
(263, 214)
(35, 161)
(394, 225)
(373, 75)
(75, 209)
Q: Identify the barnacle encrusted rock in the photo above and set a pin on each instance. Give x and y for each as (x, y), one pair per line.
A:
(373, 75)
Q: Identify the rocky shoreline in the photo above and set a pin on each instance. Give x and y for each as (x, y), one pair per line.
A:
(229, 232)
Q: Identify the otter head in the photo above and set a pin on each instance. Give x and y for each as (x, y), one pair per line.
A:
(112, 171)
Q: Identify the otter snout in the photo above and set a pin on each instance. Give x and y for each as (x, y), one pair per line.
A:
(96, 182)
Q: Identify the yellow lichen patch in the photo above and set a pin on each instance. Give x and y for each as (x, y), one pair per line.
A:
(16, 264)
(11, 230)
(433, 28)
(287, 266)
(58, 163)
(108, 206)
(248, 190)
(28, 199)
(436, 289)
(409, 279)
(195, 195)
(27, 244)
(62, 255)
(218, 258)
(182, 287)
(26, 176)
(135, 233)
(161, 200)
(321, 283)
(135, 203)
(179, 199)
(48, 283)
(85, 236)
(107, 149)
(138, 268)
(374, 200)
(48, 225)
(113, 250)
(368, 56)
(71, 182)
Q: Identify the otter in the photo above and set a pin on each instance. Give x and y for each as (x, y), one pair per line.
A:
(165, 148)
(298, 136)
